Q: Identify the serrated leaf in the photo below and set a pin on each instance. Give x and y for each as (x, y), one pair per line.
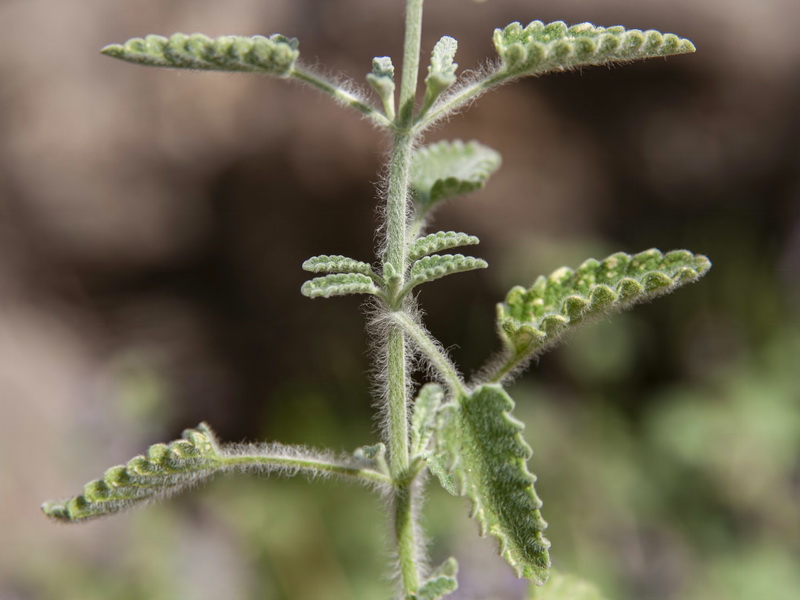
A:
(273, 55)
(423, 419)
(339, 284)
(447, 169)
(164, 470)
(530, 320)
(440, 583)
(539, 47)
(336, 264)
(441, 240)
(485, 457)
(431, 268)
(565, 587)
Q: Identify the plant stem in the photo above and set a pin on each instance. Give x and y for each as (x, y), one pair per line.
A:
(411, 51)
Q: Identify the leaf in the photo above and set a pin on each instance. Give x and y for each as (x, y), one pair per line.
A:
(541, 47)
(442, 70)
(481, 445)
(429, 399)
(431, 268)
(336, 264)
(565, 587)
(441, 240)
(339, 284)
(274, 55)
(163, 471)
(530, 320)
(440, 583)
(447, 169)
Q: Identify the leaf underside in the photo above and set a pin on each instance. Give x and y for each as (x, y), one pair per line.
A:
(480, 454)
(274, 55)
(164, 470)
(539, 47)
(441, 240)
(530, 320)
(339, 284)
(447, 169)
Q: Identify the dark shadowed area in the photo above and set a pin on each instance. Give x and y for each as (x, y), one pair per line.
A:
(153, 224)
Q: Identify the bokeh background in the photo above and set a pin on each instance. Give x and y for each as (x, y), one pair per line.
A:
(152, 224)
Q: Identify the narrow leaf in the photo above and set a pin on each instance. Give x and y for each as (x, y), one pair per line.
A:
(440, 583)
(336, 264)
(485, 455)
(339, 284)
(530, 320)
(163, 471)
(441, 240)
(430, 268)
(423, 420)
(273, 55)
(565, 587)
(539, 47)
(442, 70)
(447, 169)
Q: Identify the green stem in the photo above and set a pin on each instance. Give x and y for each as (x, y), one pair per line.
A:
(411, 52)
(341, 95)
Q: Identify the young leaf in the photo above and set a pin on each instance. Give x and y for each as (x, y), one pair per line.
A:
(430, 268)
(339, 284)
(273, 55)
(441, 72)
(163, 471)
(530, 320)
(541, 47)
(428, 401)
(447, 169)
(439, 583)
(565, 587)
(441, 240)
(336, 264)
(382, 81)
(481, 447)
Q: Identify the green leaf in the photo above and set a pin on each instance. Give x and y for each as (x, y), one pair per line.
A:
(336, 264)
(442, 70)
(441, 240)
(539, 47)
(163, 471)
(439, 583)
(533, 319)
(565, 587)
(485, 457)
(339, 284)
(430, 268)
(447, 169)
(382, 81)
(274, 55)
(423, 420)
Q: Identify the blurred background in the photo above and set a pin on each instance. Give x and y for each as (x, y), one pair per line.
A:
(152, 227)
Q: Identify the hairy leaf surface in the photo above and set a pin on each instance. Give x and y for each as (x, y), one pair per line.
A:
(447, 169)
(430, 268)
(484, 456)
(441, 240)
(539, 47)
(530, 320)
(273, 55)
(423, 420)
(164, 470)
(339, 284)
(336, 264)
(440, 583)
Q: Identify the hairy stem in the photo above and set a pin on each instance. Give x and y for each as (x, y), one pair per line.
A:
(305, 464)
(411, 52)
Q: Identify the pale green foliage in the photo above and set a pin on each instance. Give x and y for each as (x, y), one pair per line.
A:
(382, 81)
(441, 72)
(440, 583)
(565, 587)
(423, 419)
(481, 446)
(164, 470)
(430, 268)
(441, 240)
(336, 264)
(447, 169)
(339, 284)
(273, 55)
(530, 320)
(541, 47)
